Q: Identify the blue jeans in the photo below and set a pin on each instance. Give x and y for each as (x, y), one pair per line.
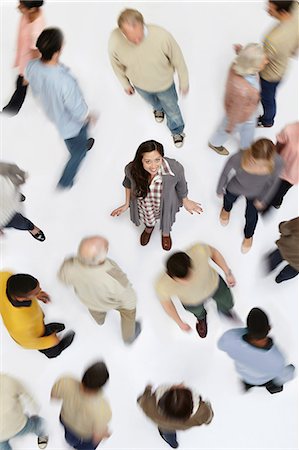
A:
(268, 93)
(166, 101)
(75, 441)
(77, 146)
(251, 215)
(34, 424)
(245, 129)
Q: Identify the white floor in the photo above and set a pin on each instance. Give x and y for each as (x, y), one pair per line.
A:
(163, 353)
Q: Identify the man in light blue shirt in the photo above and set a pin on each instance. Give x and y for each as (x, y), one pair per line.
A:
(257, 359)
(61, 99)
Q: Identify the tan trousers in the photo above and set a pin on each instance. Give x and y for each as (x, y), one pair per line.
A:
(127, 316)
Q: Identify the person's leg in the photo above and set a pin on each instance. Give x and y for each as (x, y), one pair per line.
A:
(169, 437)
(284, 186)
(98, 316)
(247, 130)
(53, 327)
(5, 445)
(220, 136)
(268, 93)
(223, 297)
(34, 424)
(228, 201)
(200, 313)
(251, 218)
(274, 259)
(287, 273)
(128, 324)
(57, 349)
(77, 146)
(151, 98)
(18, 97)
(20, 223)
(169, 102)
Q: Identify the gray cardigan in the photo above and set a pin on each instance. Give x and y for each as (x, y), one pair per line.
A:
(173, 192)
(239, 182)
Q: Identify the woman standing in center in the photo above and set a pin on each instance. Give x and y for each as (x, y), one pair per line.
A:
(155, 189)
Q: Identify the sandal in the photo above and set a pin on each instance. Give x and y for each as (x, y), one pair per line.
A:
(38, 236)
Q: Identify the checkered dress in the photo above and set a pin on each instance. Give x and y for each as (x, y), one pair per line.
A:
(149, 207)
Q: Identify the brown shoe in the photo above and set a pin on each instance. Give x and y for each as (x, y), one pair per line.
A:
(224, 217)
(166, 242)
(145, 236)
(246, 245)
(202, 327)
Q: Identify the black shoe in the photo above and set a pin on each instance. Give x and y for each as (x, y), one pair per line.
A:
(260, 124)
(273, 388)
(246, 386)
(22, 198)
(159, 116)
(169, 438)
(55, 327)
(67, 340)
(90, 143)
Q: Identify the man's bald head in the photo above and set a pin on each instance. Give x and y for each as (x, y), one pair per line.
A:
(93, 250)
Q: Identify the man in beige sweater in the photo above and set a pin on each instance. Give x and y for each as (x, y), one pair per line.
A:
(85, 413)
(14, 419)
(280, 43)
(144, 58)
(101, 285)
(191, 279)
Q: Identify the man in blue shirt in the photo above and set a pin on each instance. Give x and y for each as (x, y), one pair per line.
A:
(61, 99)
(257, 359)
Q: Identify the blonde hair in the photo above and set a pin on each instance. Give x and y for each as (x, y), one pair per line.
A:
(249, 60)
(130, 16)
(261, 149)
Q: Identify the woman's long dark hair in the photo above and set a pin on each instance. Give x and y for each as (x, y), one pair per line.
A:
(139, 174)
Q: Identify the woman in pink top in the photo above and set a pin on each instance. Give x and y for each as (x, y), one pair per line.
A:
(31, 25)
(288, 148)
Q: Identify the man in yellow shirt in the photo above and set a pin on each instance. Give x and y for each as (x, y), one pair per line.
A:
(24, 318)
(144, 58)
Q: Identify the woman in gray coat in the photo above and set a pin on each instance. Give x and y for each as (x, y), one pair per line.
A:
(155, 189)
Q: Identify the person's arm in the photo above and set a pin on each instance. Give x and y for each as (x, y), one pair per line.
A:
(287, 374)
(223, 179)
(73, 100)
(176, 58)
(98, 437)
(121, 209)
(64, 272)
(271, 186)
(118, 68)
(16, 175)
(43, 297)
(220, 261)
(172, 312)
(25, 397)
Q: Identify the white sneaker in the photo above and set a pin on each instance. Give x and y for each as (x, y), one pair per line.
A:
(178, 139)
(42, 441)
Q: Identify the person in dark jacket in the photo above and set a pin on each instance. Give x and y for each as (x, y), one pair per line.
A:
(174, 408)
(287, 250)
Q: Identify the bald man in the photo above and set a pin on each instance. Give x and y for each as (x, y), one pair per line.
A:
(101, 285)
